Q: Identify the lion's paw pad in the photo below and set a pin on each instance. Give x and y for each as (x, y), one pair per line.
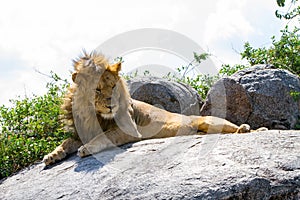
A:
(244, 128)
(54, 156)
(82, 152)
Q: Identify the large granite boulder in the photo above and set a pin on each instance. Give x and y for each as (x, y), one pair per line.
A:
(259, 96)
(262, 165)
(169, 95)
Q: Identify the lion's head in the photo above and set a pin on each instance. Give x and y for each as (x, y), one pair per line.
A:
(100, 88)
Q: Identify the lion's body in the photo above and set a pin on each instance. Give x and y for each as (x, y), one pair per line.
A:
(101, 114)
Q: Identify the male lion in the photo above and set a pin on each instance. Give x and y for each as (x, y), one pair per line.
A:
(101, 114)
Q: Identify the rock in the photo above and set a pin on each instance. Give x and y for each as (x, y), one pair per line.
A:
(258, 165)
(259, 96)
(169, 95)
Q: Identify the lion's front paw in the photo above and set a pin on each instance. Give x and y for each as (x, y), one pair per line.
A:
(56, 155)
(244, 128)
(83, 152)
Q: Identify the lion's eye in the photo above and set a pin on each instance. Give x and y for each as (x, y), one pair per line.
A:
(113, 86)
(98, 90)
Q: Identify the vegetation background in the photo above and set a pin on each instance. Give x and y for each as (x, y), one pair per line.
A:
(30, 128)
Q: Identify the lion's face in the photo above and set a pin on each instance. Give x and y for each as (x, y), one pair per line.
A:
(107, 92)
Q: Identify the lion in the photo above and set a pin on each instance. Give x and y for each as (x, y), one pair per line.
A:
(101, 114)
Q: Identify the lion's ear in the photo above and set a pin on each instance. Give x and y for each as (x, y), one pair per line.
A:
(115, 68)
(74, 76)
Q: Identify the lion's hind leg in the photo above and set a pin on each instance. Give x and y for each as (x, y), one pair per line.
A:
(211, 124)
(68, 146)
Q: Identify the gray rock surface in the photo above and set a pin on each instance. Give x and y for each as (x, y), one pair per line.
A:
(261, 165)
(259, 96)
(169, 95)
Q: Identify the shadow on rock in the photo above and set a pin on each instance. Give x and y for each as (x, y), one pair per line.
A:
(99, 160)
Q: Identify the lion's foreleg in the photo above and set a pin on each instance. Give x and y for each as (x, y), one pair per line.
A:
(68, 146)
(211, 124)
(106, 140)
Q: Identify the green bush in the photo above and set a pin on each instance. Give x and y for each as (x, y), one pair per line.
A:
(31, 128)
(227, 70)
(283, 54)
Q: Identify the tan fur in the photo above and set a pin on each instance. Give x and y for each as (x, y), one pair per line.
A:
(101, 114)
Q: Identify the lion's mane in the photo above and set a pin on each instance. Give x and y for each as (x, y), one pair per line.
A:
(79, 102)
